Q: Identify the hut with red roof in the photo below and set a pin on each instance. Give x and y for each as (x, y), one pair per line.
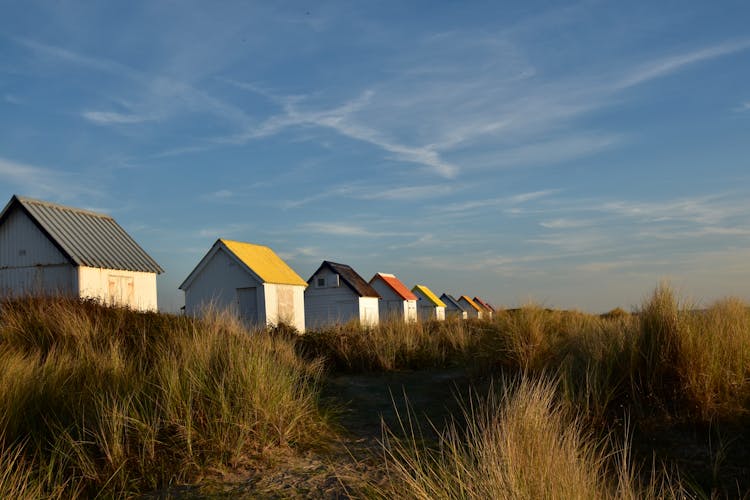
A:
(397, 302)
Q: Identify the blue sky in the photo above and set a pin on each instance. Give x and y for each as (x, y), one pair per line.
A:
(571, 153)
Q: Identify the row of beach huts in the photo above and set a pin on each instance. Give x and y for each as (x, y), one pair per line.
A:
(47, 249)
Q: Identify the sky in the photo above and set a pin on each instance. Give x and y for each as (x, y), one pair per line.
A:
(571, 154)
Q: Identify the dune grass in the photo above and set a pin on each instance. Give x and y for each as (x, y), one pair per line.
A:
(391, 345)
(667, 357)
(96, 399)
(520, 444)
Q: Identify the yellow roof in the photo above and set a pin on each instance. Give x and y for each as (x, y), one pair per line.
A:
(471, 303)
(264, 262)
(428, 293)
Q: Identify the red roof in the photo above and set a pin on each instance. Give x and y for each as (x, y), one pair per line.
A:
(484, 304)
(396, 285)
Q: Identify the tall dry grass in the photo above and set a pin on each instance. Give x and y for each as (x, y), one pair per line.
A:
(522, 444)
(391, 345)
(666, 357)
(95, 399)
(697, 358)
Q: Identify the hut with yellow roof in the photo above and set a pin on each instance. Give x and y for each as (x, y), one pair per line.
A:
(429, 306)
(251, 281)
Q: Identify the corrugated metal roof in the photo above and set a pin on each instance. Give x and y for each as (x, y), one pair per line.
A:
(350, 277)
(264, 262)
(88, 239)
(429, 295)
(395, 284)
(450, 299)
(470, 302)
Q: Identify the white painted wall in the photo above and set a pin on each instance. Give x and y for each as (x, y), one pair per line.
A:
(332, 304)
(392, 305)
(216, 285)
(369, 311)
(133, 289)
(48, 280)
(470, 311)
(30, 264)
(428, 311)
(286, 304)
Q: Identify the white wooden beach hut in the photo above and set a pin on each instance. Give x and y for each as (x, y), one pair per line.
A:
(453, 308)
(429, 306)
(473, 310)
(50, 249)
(251, 280)
(396, 301)
(489, 311)
(337, 294)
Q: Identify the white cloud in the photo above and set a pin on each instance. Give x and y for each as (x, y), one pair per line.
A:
(507, 201)
(110, 117)
(42, 182)
(161, 95)
(668, 65)
(565, 223)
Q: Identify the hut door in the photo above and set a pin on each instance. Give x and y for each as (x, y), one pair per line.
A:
(247, 304)
(120, 290)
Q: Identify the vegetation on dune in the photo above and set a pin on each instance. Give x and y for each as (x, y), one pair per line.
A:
(391, 345)
(96, 399)
(666, 357)
(520, 444)
(100, 399)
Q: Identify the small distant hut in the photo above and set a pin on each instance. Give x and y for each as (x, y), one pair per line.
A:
(337, 294)
(250, 280)
(488, 309)
(53, 250)
(453, 308)
(473, 310)
(429, 306)
(397, 302)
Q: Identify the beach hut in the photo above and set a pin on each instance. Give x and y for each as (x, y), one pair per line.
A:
(50, 249)
(452, 307)
(429, 306)
(473, 310)
(397, 302)
(489, 311)
(250, 280)
(337, 294)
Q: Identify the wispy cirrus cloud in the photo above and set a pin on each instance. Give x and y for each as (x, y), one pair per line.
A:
(115, 118)
(349, 230)
(671, 64)
(161, 95)
(500, 201)
(41, 181)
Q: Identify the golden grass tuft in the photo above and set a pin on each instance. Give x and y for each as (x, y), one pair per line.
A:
(110, 400)
(522, 444)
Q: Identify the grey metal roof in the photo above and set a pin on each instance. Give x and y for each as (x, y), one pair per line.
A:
(86, 238)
